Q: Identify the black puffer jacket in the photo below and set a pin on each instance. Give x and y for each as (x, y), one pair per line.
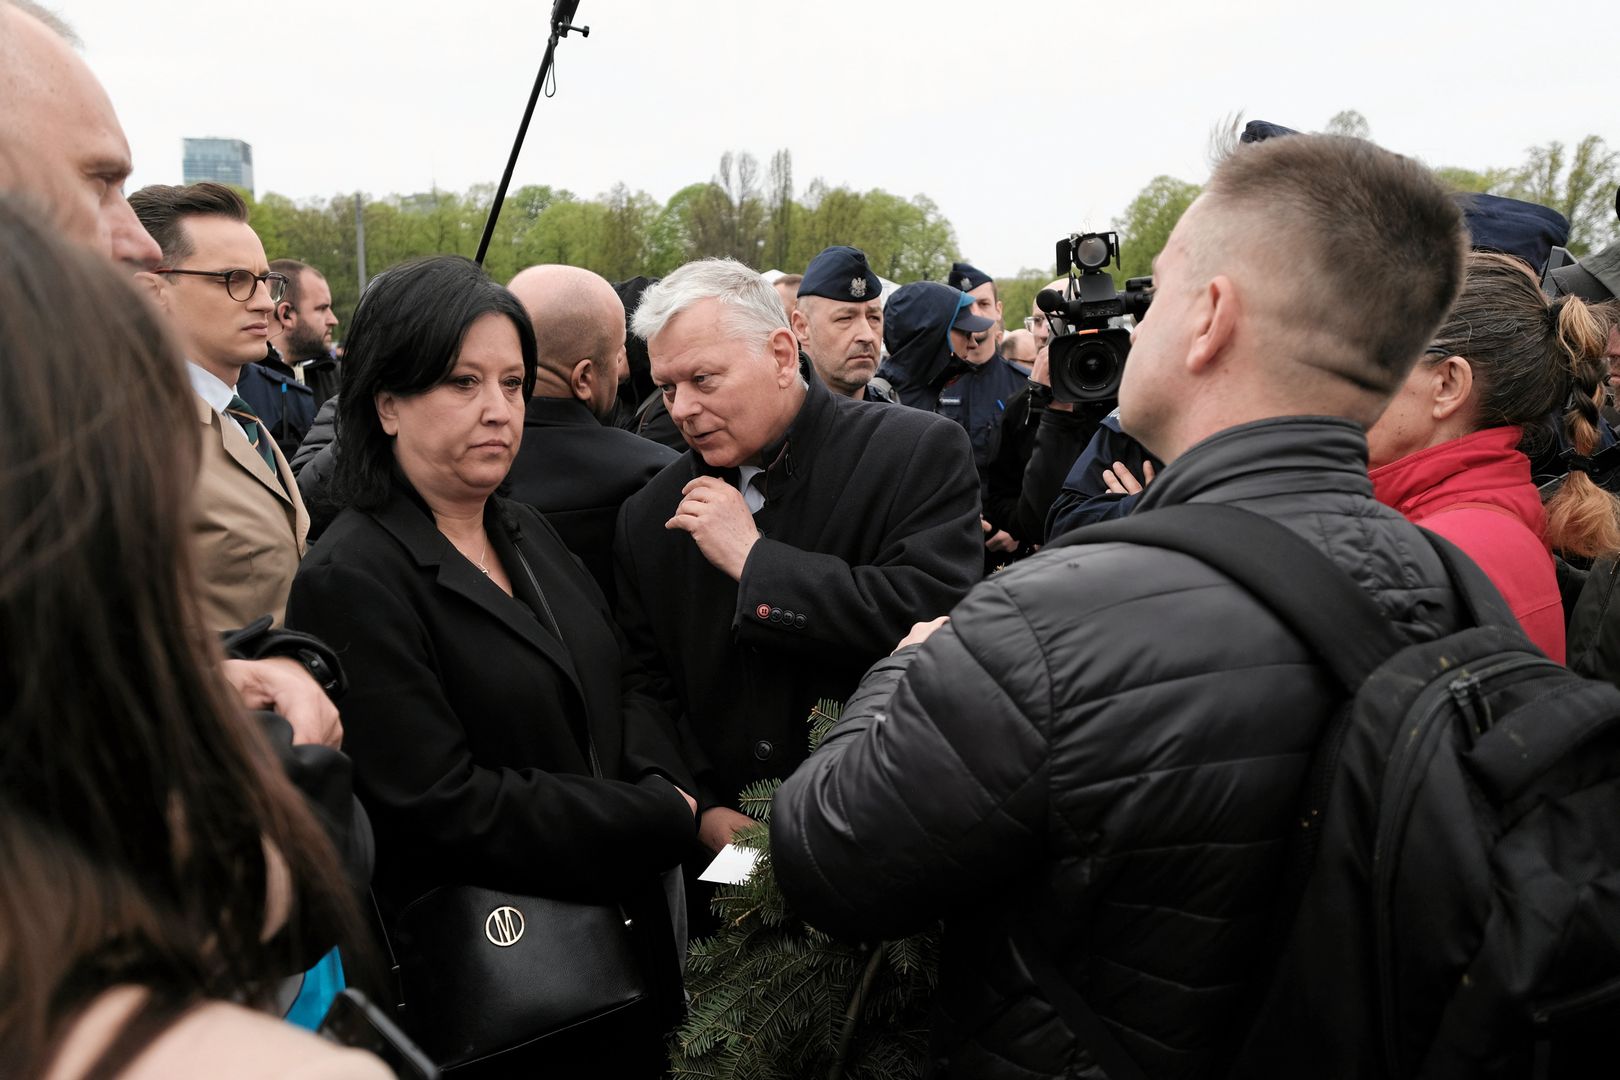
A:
(1109, 741)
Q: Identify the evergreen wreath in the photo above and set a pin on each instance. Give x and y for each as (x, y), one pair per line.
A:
(773, 998)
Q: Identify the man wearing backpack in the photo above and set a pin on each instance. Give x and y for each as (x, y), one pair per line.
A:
(1091, 771)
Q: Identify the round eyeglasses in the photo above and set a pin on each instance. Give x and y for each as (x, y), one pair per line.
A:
(240, 284)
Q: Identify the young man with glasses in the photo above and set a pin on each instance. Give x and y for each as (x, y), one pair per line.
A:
(219, 293)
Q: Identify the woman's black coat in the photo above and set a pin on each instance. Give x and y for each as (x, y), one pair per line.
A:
(467, 717)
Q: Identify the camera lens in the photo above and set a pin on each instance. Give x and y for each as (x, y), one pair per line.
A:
(1094, 368)
(1086, 367)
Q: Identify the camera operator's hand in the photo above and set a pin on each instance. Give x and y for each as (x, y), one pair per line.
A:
(1041, 372)
(282, 685)
(1121, 481)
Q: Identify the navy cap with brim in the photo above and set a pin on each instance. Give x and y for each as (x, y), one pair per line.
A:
(1514, 227)
(967, 277)
(973, 324)
(841, 273)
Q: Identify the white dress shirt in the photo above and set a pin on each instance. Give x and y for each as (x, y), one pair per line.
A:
(216, 393)
(754, 497)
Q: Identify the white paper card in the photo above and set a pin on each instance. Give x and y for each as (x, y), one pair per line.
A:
(732, 866)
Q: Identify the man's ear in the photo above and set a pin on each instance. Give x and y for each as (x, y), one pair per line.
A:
(582, 379)
(801, 326)
(784, 348)
(388, 411)
(153, 285)
(285, 315)
(1216, 314)
(1453, 386)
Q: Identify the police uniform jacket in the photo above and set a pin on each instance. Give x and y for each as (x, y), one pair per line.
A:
(283, 404)
(1085, 498)
(870, 524)
(976, 397)
(1106, 742)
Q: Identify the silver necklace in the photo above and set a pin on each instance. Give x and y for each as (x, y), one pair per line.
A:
(482, 556)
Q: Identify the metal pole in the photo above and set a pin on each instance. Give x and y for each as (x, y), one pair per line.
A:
(562, 14)
(360, 239)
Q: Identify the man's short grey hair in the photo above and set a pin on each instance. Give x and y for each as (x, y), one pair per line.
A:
(750, 308)
(53, 22)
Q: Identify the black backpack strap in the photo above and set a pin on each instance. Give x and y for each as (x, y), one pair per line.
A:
(1481, 601)
(1303, 587)
(1318, 602)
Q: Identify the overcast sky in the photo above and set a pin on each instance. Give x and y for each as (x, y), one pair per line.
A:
(1024, 120)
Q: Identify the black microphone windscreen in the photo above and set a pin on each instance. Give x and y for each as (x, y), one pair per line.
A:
(562, 12)
(1050, 301)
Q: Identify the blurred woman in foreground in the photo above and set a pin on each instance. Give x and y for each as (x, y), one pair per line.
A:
(150, 848)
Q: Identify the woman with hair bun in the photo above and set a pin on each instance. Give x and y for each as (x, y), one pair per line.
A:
(1450, 452)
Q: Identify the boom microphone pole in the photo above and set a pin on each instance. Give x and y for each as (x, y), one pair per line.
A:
(562, 21)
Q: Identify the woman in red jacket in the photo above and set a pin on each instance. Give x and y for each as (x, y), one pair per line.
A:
(1447, 452)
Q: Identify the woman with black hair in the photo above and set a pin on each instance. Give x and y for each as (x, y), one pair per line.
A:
(157, 868)
(498, 740)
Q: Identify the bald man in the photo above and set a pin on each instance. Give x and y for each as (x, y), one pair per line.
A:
(570, 466)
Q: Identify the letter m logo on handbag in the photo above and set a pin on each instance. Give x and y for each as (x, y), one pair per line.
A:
(504, 926)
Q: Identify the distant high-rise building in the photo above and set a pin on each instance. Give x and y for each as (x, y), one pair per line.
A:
(225, 161)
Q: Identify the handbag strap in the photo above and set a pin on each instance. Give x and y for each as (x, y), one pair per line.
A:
(388, 946)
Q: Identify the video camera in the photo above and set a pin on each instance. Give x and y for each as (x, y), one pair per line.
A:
(1087, 350)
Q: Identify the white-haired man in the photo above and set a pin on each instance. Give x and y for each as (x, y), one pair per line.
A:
(787, 551)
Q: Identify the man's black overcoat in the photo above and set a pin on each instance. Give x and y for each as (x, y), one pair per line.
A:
(871, 523)
(578, 473)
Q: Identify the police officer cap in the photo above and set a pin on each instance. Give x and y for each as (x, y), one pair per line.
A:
(967, 277)
(1513, 227)
(841, 273)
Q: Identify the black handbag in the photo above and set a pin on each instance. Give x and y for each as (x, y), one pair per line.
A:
(484, 972)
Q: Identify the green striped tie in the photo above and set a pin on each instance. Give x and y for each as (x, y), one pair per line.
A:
(249, 420)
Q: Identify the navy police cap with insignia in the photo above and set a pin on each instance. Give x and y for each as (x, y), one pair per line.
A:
(967, 277)
(841, 273)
